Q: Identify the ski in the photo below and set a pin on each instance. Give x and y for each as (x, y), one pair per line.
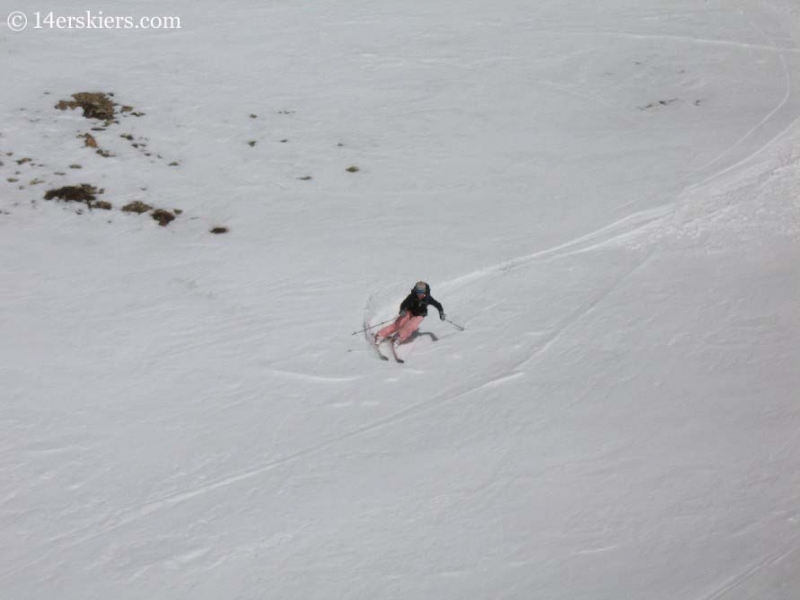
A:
(371, 342)
(380, 354)
(396, 357)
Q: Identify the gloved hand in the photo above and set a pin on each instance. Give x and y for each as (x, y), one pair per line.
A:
(441, 315)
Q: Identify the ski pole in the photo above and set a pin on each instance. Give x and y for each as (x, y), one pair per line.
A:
(373, 326)
(456, 325)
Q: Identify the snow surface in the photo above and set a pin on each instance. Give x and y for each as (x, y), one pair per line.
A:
(605, 194)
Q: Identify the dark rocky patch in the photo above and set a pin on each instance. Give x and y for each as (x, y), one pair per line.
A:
(82, 194)
(164, 217)
(137, 207)
(89, 140)
(73, 193)
(95, 105)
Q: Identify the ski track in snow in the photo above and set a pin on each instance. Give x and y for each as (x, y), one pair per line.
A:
(312, 378)
(781, 52)
(576, 316)
(622, 230)
(674, 38)
(737, 581)
(685, 198)
(498, 381)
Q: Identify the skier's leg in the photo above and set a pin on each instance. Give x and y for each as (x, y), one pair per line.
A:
(391, 328)
(407, 329)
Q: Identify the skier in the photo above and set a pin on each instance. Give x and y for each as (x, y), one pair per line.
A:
(412, 311)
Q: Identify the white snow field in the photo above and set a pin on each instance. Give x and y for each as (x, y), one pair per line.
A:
(604, 194)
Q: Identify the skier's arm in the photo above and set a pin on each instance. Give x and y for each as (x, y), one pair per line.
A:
(437, 305)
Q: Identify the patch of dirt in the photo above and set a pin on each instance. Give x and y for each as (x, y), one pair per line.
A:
(129, 110)
(137, 207)
(83, 194)
(219, 230)
(95, 105)
(73, 193)
(88, 140)
(164, 217)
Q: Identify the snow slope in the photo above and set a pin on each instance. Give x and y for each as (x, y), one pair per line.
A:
(604, 194)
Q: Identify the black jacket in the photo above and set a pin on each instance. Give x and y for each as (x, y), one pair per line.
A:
(418, 307)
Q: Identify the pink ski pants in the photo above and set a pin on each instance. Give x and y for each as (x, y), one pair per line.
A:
(404, 326)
